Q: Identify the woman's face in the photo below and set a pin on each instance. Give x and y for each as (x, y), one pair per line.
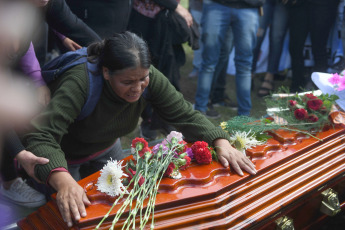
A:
(128, 84)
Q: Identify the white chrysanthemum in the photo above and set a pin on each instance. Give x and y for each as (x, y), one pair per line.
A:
(176, 174)
(244, 140)
(110, 181)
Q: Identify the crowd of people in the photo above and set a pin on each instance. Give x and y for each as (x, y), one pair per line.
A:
(128, 58)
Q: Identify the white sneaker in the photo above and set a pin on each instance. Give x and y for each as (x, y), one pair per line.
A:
(22, 194)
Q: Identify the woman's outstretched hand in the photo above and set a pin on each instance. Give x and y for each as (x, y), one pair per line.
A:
(229, 155)
(71, 198)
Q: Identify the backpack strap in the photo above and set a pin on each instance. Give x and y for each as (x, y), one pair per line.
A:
(55, 68)
(62, 63)
(146, 94)
(95, 91)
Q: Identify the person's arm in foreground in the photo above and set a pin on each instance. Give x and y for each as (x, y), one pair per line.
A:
(44, 140)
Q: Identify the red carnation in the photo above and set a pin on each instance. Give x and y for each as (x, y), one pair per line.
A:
(143, 151)
(139, 143)
(188, 160)
(170, 169)
(301, 114)
(310, 96)
(184, 147)
(292, 103)
(314, 104)
(203, 156)
(202, 153)
(131, 175)
(199, 144)
(313, 118)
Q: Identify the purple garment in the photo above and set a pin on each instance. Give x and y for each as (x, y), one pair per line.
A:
(60, 36)
(30, 66)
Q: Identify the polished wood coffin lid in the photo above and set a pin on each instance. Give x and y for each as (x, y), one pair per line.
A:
(291, 168)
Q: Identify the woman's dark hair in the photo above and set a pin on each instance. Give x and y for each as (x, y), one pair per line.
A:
(122, 51)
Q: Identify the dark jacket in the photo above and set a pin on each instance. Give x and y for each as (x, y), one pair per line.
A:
(60, 17)
(241, 3)
(168, 33)
(106, 17)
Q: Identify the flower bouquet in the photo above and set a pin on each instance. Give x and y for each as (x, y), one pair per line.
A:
(137, 185)
(246, 132)
(304, 113)
(308, 111)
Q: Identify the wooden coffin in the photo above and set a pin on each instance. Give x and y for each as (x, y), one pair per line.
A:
(293, 172)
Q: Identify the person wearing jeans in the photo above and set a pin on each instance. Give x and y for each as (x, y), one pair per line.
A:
(195, 8)
(275, 16)
(242, 17)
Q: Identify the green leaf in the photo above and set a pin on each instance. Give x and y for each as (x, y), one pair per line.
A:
(262, 137)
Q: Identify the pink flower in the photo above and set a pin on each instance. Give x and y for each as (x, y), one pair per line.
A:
(335, 79)
(341, 84)
(341, 87)
(173, 136)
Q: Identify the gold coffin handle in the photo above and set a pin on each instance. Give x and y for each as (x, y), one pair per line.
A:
(330, 204)
(284, 223)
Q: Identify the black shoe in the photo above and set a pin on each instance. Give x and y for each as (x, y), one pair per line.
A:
(146, 131)
(211, 112)
(227, 102)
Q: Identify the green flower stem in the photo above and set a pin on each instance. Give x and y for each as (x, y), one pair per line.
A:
(304, 132)
(152, 171)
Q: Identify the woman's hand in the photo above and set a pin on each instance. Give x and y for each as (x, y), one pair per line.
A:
(227, 154)
(28, 161)
(185, 14)
(43, 95)
(70, 44)
(70, 198)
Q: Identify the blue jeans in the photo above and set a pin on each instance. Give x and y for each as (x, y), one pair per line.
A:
(276, 16)
(197, 53)
(217, 94)
(216, 21)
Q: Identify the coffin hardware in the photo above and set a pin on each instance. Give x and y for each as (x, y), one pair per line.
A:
(330, 204)
(284, 223)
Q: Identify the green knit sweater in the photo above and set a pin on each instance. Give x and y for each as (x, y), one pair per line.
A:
(57, 135)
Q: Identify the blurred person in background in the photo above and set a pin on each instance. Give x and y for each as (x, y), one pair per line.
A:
(17, 23)
(151, 20)
(72, 32)
(195, 8)
(218, 16)
(275, 16)
(315, 17)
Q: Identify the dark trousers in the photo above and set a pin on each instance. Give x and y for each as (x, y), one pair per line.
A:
(316, 18)
(8, 169)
